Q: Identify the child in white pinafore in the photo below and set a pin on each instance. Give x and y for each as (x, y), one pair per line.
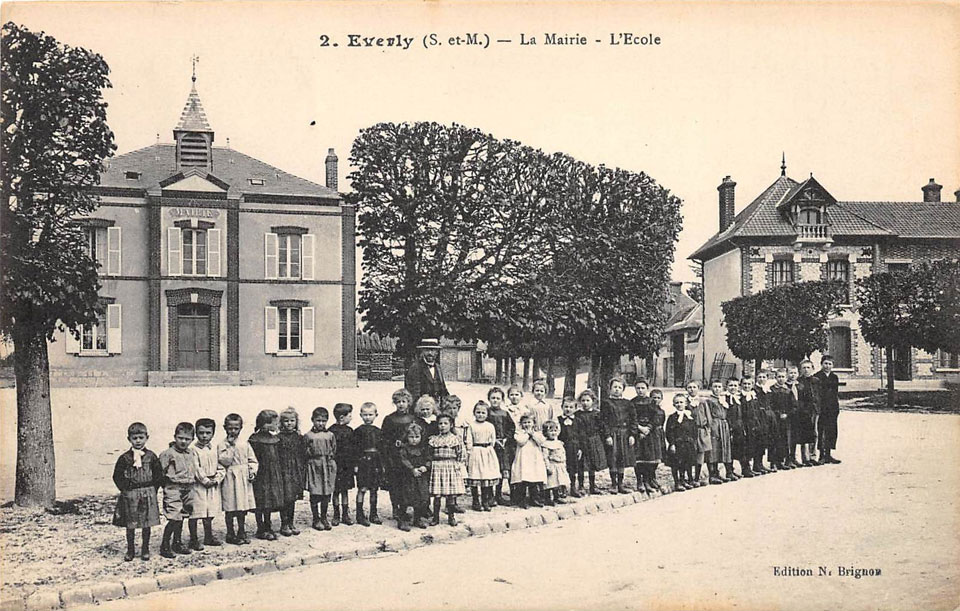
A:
(529, 471)
(555, 458)
(206, 492)
(240, 468)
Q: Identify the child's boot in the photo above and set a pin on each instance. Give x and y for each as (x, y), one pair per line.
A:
(131, 547)
(451, 514)
(194, 539)
(474, 491)
(535, 491)
(177, 545)
(361, 519)
(374, 517)
(486, 499)
(336, 515)
(165, 550)
(345, 515)
(436, 513)
(593, 483)
(231, 533)
(145, 544)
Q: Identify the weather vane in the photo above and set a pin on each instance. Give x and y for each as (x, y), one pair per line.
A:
(193, 60)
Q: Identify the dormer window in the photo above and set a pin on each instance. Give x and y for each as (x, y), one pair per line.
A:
(809, 216)
(257, 182)
(131, 175)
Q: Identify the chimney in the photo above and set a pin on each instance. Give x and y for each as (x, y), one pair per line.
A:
(931, 191)
(957, 195)
(331, 163)
(726, 202)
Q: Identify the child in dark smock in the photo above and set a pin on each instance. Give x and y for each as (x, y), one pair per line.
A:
(505, 428)
(290, 452)
(392, 433)
(414, 460)
(650, 446)
(346, 458)
(619, 425)
(681, 435)
(137, 475)
(571, 436)
(268, 485)
(703, 420)
(320, 447)
(369, 469)
(591, 441)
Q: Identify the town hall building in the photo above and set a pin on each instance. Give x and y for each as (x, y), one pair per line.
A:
(216, 268)
(797, 231)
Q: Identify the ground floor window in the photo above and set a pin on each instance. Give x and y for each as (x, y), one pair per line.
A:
(93, 338)
(289, 333)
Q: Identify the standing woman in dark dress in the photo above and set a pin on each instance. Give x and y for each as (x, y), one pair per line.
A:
(619, 425)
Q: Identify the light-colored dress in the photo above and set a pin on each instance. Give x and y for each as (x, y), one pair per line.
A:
(516, 412)
(555, 458)
(446, 465)
(483, 466)
(542, 412)
(206, 501)
(238, 461)
(321, 468)
(528, 465)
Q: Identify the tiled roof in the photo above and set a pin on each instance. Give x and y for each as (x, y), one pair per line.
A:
(193, 119)
(158, 162)
(901, 219)
(687, 318)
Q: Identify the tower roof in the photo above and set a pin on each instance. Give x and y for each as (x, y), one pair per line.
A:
(193, 119)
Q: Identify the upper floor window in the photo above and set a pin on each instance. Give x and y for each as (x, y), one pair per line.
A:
(810, 216)
(193, 251)
(288, 254)
(102, 244)
(947, 360)
(782, 272)
(840, 270)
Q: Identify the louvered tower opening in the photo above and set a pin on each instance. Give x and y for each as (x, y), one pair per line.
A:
(194, 151)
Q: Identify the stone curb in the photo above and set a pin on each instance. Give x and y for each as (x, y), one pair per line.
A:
(44, 600)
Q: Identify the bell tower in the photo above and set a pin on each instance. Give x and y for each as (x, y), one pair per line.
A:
(193, 135)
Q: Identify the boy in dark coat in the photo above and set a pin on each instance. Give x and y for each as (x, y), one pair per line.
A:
(829, 410)
(346, 459)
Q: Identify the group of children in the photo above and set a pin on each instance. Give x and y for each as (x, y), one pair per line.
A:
(423, 454)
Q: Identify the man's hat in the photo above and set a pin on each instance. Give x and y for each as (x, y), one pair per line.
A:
(429, 343)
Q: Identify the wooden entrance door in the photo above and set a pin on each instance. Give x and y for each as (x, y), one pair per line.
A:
(193, 337)
(902, 364)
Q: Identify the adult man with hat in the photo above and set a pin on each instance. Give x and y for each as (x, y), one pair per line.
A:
(424, 376)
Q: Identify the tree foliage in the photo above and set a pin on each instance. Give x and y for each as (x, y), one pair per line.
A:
(473, 237)
(785, 322)
(54, 140)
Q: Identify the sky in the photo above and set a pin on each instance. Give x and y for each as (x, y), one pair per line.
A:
(866, 95)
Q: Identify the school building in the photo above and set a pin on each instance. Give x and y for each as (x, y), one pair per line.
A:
(796, 231)
(217, 268)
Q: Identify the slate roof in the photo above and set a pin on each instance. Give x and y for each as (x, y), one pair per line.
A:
(686, 318)
(761, 219)
(158, 162)
(193, 119)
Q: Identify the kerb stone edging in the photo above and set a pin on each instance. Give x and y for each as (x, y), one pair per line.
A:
(43, 600)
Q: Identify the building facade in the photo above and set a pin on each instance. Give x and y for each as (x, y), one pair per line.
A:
(796, 231)
(216, 268)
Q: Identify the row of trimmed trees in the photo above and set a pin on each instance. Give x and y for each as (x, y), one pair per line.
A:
(914, 308)
(542, 256)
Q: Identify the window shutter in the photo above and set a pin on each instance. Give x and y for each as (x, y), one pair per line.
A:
(72, 343)
(306, 254)
(174, 252)
(213, 252)
(271, 256)
(113, 251)
(271, 339)
(307, 332)
(114, 329)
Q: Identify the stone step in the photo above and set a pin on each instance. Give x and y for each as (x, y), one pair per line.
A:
(193, 378)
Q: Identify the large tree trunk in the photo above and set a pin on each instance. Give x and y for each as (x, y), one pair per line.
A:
(512, 377)
(527, 366)
(551, 378)
(537, 369)
(891, 372)
(36, 466)
(570, 378)
(498, 379)
(607, 368)
(594, 381)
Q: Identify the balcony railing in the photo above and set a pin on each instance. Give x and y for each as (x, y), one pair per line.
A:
(813, 233)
